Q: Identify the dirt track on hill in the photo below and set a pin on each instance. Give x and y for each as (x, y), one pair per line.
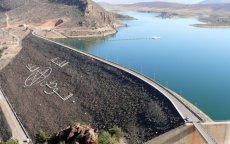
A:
(103, 96)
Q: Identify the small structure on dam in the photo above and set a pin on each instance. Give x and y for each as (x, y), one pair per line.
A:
(50, 86)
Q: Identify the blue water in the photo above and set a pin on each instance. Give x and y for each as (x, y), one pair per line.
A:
(194, 62)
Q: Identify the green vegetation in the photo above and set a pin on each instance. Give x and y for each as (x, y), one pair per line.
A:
(113, 136)
(116, 133)
(10, 141)
(42, 137)
(105, 138)
(2, 50)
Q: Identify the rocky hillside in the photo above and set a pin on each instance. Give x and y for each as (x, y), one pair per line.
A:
(62, 15)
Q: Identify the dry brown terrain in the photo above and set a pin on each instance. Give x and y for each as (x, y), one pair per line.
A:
(212, 14)
(53, 19)
(60, 18)
(103, 96)
(10, 43)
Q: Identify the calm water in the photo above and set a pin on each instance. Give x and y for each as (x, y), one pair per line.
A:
(194, 62)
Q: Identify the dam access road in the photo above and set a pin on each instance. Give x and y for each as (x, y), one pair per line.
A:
(184, 110)
(14, 123)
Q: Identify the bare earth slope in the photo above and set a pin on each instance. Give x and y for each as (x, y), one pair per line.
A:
(66, 17)
(103, 96)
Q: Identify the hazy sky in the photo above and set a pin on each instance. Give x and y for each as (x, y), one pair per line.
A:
(135, 1)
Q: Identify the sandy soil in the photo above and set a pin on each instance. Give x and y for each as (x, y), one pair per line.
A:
(10, 38)
(11, 46)
(102, 95)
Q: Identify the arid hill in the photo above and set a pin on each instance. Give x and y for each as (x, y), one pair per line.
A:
(182, 9)
(215, 1)
(65, 17)
(212, 14)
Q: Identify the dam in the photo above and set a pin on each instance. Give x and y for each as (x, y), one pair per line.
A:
(50, 84)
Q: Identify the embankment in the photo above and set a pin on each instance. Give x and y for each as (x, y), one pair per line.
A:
(50, 86)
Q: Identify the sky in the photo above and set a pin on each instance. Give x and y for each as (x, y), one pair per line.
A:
(135, 1)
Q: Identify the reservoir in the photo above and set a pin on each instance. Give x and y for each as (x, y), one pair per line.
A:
(192, 61)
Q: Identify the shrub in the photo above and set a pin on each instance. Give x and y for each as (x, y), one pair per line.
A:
(72, 123)
(116, 133)
(42, 137)
(61, 142)
(104, 137)
(1, 52)
(12, 141)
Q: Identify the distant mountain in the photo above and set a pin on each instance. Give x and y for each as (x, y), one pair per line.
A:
(215, 1)
(180, 9)
(217, 14)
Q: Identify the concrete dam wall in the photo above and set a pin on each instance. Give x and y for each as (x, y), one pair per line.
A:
(189, 135)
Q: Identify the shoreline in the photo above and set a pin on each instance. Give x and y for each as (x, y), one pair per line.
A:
(78, 32)
(209, 23)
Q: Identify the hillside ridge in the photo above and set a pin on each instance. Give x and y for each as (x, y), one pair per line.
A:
(213, 15)
(60, 18)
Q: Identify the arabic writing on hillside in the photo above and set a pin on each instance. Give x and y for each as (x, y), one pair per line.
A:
(40, 74)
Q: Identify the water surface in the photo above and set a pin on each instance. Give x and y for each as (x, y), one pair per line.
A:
(194, 62)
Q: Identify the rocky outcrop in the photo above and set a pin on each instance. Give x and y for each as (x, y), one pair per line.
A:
(82, 4)
(77, 133)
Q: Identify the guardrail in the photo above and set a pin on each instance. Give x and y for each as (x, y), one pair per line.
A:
(209, 139)
(15, 114)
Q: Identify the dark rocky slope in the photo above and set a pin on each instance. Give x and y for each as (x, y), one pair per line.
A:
(103, 96)
(5, 131)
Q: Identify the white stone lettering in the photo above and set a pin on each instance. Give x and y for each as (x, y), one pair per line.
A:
(39, 75)
(59, 62)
